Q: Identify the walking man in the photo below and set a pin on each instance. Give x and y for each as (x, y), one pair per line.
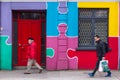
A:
(100, 50)
(31, 55)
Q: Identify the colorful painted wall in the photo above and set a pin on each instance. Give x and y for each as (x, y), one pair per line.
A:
(89, 57)
(6, 23)
(62, 34)
(80, 59)
(62, 31)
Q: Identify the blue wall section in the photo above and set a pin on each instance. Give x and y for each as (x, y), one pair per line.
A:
(54, 18)
(72, 19)
(52, 22)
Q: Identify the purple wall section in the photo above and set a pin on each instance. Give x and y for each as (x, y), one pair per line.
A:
(28, 5)
(62, 7)
(6, 20)
(6, 14)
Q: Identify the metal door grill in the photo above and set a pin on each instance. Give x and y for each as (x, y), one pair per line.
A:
(92, 22)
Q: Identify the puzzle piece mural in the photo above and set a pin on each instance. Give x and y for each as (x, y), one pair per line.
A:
(5, 55)
(50, 52)
(62, 34)
(73, 59)
(65, 39)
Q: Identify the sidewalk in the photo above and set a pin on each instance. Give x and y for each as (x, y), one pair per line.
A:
(56, 75)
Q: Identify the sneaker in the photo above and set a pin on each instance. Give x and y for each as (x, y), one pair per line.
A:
(91, 74)
(27, 73)
(40, 71)
(108, 75)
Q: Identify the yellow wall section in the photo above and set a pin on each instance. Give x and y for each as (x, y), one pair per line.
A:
(113, 14)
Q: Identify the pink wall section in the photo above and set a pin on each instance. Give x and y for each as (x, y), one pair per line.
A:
(52, 63)
(60, 45)
(81, 59)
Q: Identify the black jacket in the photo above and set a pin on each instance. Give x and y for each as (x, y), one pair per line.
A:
(100, 48)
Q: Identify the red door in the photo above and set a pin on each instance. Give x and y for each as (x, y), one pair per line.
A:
(28, 28)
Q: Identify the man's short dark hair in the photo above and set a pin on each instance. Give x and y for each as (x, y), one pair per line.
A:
(30, 38)
(97, 36)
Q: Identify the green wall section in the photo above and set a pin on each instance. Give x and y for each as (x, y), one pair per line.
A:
(50, 52)
(6, 54)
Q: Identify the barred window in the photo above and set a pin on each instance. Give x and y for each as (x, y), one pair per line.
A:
(92, 21)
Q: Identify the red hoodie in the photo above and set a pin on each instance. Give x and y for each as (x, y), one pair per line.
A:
(32, 50)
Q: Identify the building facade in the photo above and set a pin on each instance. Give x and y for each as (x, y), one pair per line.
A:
(64, 32)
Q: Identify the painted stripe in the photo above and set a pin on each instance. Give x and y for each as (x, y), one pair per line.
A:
(60, 0)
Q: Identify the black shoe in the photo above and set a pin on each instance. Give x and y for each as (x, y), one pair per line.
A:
(27, 73)
(40, 71)
(108, 75)
(91, 74)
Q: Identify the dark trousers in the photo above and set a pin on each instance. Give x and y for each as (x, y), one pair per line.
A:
(97, 65)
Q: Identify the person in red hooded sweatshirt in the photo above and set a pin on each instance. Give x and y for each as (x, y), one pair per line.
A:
(31, 55)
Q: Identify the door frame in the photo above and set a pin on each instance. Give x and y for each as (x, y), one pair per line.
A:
(15, 38)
